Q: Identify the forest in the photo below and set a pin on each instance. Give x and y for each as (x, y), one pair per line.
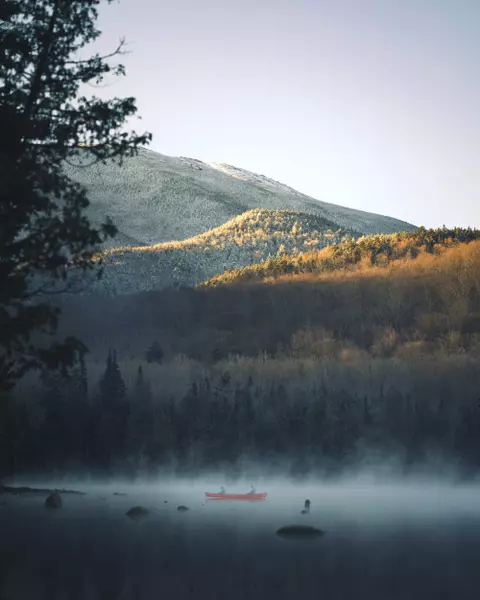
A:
(308, 372)
(315, 359)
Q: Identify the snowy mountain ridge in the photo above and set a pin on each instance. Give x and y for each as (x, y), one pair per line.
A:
(181, 221)
(253, 178)
(154, 198)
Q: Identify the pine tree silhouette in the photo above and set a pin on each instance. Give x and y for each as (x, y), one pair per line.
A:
(141, 423)
(115, 412)
(112, 387)
(154, 354)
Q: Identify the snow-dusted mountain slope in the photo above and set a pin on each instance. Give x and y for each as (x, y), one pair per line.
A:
(153, 198)
(251, 238)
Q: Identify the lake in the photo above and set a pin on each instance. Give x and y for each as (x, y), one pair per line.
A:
(383, 540)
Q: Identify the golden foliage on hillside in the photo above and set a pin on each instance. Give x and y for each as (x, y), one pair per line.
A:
(254, 228)
(372, 254)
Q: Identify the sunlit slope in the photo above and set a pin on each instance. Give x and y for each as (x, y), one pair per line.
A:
(155, 198)
(363, 255)
(250, 238)
(421, 302)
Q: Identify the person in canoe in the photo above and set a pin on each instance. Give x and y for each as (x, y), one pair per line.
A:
(252, 490)
(222, 490)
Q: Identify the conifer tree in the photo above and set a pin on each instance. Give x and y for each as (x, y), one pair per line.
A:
(114, 411)
(112, 387)
(53, 402)
(78, 414)
(46, 120)
(154, 354)
(141, 421)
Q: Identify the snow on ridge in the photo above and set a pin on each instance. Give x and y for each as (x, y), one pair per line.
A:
(154, 198)
(254, 178)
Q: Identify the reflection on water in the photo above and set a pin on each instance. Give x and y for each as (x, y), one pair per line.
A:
(382, 541)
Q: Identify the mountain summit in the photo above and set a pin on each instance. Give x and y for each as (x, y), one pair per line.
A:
(154, 198)
(181, 221)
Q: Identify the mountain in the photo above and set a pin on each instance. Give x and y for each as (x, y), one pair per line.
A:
(155, 198)
(182, 221)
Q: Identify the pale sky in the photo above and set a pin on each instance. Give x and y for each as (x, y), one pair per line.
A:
(371, 104)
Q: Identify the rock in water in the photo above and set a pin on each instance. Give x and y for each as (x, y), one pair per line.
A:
(137, 512)
(299, 532)
(54, 500)
(182, 508)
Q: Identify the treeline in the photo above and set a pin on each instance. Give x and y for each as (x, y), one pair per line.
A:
(377, 250)
(316, 372)
(419, 307)
(312, 415)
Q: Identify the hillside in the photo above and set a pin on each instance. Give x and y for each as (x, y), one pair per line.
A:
(181, 221)
(365, 253)
(433, 299)
(323, 366)
(250, 238)
(154, 198)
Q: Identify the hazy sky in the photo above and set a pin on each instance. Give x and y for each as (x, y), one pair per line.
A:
(372, 104)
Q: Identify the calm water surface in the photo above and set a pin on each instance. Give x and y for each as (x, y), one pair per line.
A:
(382, 541)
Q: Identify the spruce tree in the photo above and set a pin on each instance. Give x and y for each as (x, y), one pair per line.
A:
(78, 414)
(55, 435)
(45, 120)
(112, 387)
(154, 354)
(141, 422)
(141, 390)
(114, 412)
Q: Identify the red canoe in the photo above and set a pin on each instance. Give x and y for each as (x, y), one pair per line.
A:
(236, 496)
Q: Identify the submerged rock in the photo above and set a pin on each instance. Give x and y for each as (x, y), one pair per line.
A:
(137, 512)
(54, 500)
(299, 532)
(182, 508)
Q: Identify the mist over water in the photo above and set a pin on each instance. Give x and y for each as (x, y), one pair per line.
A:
(392, 538)
(361, 492)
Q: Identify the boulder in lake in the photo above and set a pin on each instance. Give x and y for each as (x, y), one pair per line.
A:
(137, 512)
(182, 508)
(54, 500)
(299, 532)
